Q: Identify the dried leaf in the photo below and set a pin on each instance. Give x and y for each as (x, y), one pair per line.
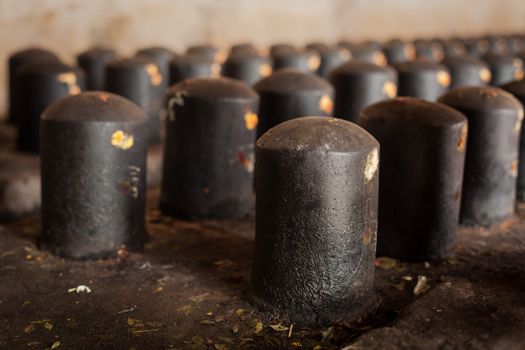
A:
(259, 327)
(55, 345)
(48, 326)
(29, 328)
(422, 285)
(278, 327)
(328, 334)
(239, 312)
(297, 344)
(207, 322)
(400, 286)
(199, 298)
(186, 309)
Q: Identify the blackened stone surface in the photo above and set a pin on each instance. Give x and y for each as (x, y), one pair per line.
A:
(360, 84)
(38, 85)
(467, 71)
(421, 173)
(247, 67)
(504, 68)
(93, 62)
(208, 159)
(93, 176)
(188, 291)
(192, 66)
(304, 60)
(517, 88)
(18, 60)
(331, 57)
(422, 79)
(399, 51)
(429, 50)
(316, 186)
(491, 166)
(291, 93)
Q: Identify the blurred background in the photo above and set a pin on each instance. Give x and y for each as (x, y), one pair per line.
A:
(70, 26)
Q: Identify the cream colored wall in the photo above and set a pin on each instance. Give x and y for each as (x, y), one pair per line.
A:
(69, 26)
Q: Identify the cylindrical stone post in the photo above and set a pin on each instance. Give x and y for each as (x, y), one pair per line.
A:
(360, 84)
(491, 166)
(421, 172)
(209, 51)
(305, 60)
(15, 62)
(247, 67)
(316, 204)
(93, 62)
(504, 69)
(422, 79)
(193, 66)
(517, 88)
(429, 50)
(399, 51)
(93, 176)
(162, 57)
(291, 93)
(138, 80)
(243, 48)
(331, 57)
(208, 157)
(467, 71)
(37, 86)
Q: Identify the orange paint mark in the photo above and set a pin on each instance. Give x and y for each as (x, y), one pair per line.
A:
(154, 74)
(103, 97)
(245, 161)
(390, 89)
(462, 138)
(443, 78)
(326, 104)
(251, 120)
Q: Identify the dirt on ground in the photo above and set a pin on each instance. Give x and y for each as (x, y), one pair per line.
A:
(189, 290)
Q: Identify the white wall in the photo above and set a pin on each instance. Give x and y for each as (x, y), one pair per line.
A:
(69, 26)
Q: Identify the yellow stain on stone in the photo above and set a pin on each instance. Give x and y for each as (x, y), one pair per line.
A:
(443, 78)
(390, 89)
(326, 104)
(70, 79)
(485, 75)
(372, 163)
(314, 62)
(462, 138)
(251, 120)
(514, 167)
(103, 97)
(154, 74)
(517, 126)
(122, 140)
(220, 57)
(379, 58)
(265, 70)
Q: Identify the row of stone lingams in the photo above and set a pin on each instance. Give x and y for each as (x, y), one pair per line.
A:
(339, 161)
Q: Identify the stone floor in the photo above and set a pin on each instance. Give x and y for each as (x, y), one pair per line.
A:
(187, 290)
